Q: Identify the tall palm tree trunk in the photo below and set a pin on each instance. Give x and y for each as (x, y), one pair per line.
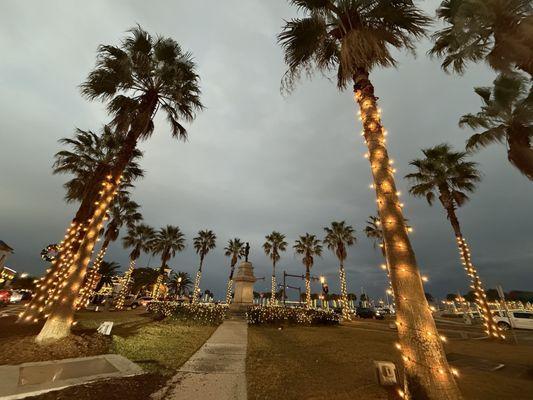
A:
(344, 293)
(196, 290)
(47, 290)
(61, 315)
(157, 285)
(160, 276)
(427, 371)
(126, 286)
(481, 298)
(89, 284)
(230, 284)
(62, 310)
(307, 287)
(273, 287)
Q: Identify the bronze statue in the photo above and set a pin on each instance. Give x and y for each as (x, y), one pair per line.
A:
(246, 251)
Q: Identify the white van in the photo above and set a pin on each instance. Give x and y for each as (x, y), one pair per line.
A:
(520, 319)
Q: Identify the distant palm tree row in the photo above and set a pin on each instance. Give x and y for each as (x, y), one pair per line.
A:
(338, 237)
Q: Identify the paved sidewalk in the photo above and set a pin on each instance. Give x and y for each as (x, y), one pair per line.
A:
(216, 371)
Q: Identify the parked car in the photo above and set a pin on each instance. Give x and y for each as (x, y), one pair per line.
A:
(16, 296)
(132, 302)
(26, 294)
(364, 312)
(520, 319)
(338, 310)
(385, 311)
(144, 301)
(5, 295)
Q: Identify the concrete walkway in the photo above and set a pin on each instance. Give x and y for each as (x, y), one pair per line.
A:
(216, 371)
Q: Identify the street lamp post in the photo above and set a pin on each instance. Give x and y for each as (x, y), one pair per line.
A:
(178, 289)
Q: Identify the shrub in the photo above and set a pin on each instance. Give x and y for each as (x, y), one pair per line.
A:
(293, 315)
(201, 313)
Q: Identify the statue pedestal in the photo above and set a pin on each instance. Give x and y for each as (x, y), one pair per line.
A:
(244, 281)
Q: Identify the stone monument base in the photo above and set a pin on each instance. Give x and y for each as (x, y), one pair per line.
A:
(244, 289)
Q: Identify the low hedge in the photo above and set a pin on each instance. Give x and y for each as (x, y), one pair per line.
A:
(258, 315)
(201, 313)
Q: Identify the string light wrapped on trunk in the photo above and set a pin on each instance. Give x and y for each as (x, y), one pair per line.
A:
(89, 286)
(491, 329)
(273, 291)
(68, 260)
(390, 214)
(91, 280)
(229, 289)
(125, 289)
(49, 284)
(196, 290)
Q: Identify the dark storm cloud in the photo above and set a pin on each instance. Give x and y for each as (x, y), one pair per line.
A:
(256, 160)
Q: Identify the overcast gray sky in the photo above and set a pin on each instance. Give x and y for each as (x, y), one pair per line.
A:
(256, 161)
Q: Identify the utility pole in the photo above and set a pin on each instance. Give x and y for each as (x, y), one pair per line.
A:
(298, 288)
(284, 288)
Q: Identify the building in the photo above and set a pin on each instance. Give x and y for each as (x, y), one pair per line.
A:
(6, 274)
(5, 251)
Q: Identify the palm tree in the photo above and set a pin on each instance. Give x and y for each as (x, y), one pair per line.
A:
(107, 270)
(373, 231)
(137, 79)
(180, 283)
(308, 246)
(352, 37)
(275, 243)
(446, 175)
(89, 154)
(338, 237)
(167, 242)
(85, 156)
(203, 243)
(138, 238)
(506, 116)
(496, 31)
(123, 211)
(235, 250)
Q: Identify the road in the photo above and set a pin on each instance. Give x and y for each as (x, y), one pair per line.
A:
(452, 329)
(11, 310)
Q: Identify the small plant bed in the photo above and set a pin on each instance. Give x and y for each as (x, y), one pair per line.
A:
(259, 315)
(18, 350)
(160, 347)
(133, 388)
(199, 313)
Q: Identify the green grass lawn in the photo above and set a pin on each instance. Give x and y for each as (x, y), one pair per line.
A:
(162, 346)
(158, 346)
(337, 363)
